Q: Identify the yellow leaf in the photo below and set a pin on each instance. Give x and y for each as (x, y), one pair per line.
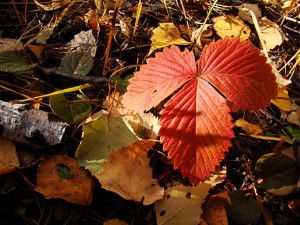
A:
(248, 127)
(271, 33)
(298, 59)
(164, 35)
(282, 104)
(77, 188)
(288, 5)
(230, 26)
(127, 173)
(8, 156)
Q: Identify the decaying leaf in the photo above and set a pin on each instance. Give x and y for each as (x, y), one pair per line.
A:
(51, 183)
(230, 26)
(9, 160)
(271, 33)
(248, 127)
(127, 173)
(84, 42)
(244, 12)
(165, 35)
(182, 204)
(294, 115)
(196, 124)
(214, 212)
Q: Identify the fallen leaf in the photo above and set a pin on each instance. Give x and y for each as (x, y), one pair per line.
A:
(53, 183)
(244, 12)
(84, 42)
(214, 212)
(36, 50)
(127, 173)
(101, 135)
(288, 5)
(282, 104)
(271, 33)
(243, 209)
(294, 115)
(230, 26)
(11, 61)
(203, 36)
(195, 123)
(248, 127)
(165, 35)
(9, 160)
(182, 204)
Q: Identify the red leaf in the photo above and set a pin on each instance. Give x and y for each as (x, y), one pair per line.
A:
(196, 129)
(238, 71)
(196, 124)
(162, 75)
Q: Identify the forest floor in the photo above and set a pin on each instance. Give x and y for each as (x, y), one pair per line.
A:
(119, 41)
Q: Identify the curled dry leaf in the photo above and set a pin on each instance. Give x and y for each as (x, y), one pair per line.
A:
(9, 160)
(283, 104)
(127, 173)
(244, 12)
(248, 127)
(230, 26)
(60, 177)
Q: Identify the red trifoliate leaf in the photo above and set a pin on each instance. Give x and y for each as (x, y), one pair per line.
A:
(196, 124)
(162, 75)
(238, 71)
(196, 129)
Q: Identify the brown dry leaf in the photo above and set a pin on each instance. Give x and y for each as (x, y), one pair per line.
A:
(115, 222)
(165, 35)
(248, 127)
(54, 4)
(127, 173)
(271, 33)
(60, 177)
(36, 50)
(214, 212)
(230, 26)
(282, 104)
(9, 160)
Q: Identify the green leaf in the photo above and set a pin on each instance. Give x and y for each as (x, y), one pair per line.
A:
(121, 83)
(11, 62)
(79, 63)
(67, 109)
(64, 171)
(279, 172)
(100, 137)
(294, 131)
(243, 209)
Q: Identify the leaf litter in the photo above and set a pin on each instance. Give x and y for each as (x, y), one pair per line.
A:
(171, 137)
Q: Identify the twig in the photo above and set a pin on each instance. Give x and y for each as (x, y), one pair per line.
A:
(86, 79)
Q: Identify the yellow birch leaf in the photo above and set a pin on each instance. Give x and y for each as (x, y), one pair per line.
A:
(230, 26)
(271, 33)
(165, 35)
(127, 173)
(282, 104)
(248, 127)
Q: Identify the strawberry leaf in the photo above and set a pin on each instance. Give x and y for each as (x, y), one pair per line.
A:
(238, 71)
(162, 75)
(196, 129)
